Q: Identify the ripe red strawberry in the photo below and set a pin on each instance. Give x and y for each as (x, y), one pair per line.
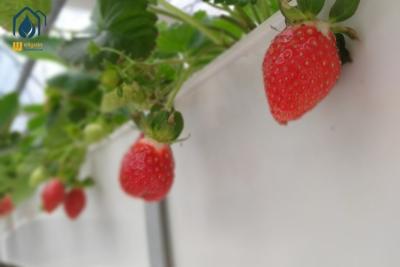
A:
(304, 61)
(74, 203)
(6, 206)
(300, 68)
(52, 195)
(147, 170)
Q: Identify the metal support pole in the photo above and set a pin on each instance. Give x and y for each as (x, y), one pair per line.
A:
(158, 235)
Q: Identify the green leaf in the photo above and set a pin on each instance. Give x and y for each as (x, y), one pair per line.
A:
(8, 110)
(21, 191)
(73, 94)
(33, 109)
(267, 7)
(311, 6)
(175, 38)
(93, 49)
(9, 139)
(123, 25)
(232, 2)
(74, 82)
(36, 122)
(9, 8)
(228, 27)
(127, 26)
(343, 9)
(166, 73)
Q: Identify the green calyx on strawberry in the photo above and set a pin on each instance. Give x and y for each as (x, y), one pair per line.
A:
(303, 62)
(147, 170)
(161, 125)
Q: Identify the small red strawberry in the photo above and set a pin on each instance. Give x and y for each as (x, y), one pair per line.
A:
(6, 206)
(74, 203)
(52, 195)
(303, 62)
(147, 170)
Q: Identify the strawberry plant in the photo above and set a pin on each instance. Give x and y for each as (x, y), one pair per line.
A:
(127, 65)
(131, 65)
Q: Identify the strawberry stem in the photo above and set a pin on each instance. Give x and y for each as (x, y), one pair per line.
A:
(171, 98)
(349, 32)
(292, 14)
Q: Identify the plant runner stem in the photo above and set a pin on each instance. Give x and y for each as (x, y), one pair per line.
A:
(215, 38)
(171, 98)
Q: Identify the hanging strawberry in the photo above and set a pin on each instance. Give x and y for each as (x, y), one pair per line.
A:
(53, 195)
(6, 206)
(303, 62)
(147, 170)
(74, 203)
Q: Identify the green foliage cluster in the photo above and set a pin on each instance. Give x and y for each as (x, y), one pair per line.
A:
(127, 65)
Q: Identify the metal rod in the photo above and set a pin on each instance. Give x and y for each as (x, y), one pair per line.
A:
(158, 235)
(167, 233)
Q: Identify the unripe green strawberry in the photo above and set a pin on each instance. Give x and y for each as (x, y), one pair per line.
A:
(137, 93)
(123, 96)
(110, 78)
(93, 132)
(37, 176)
